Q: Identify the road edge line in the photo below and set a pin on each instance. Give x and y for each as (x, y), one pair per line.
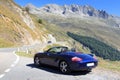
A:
(2, 75)
(17, 60)
(12, 65)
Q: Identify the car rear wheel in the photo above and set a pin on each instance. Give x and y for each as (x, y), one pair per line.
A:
(89, 70)
(64, 67)
(37, 61)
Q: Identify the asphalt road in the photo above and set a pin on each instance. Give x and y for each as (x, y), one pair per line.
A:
(24, 69)
(7, 60)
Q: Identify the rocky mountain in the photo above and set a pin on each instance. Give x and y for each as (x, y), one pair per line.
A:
(75, 11)
(70, 10)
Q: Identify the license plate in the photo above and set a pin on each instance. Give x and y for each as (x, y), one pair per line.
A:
(90, 64)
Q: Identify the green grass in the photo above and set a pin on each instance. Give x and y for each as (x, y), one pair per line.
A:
(4, 43)
(24, 54)
(110, 65)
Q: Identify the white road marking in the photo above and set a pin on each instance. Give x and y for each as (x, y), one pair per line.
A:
(7, 70)
(17, 60)
(12, 65)
(2, 75)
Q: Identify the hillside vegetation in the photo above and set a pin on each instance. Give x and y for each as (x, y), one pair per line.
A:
(97, 47)
(17, 27)
(8, 34)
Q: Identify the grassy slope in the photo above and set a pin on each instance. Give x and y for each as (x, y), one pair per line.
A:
(6, 30)
(60, 34)
(5, 43)
(110, 65)
(12, 26)
(90, 27)
(40, 28)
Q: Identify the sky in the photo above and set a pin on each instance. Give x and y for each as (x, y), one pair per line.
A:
(110, 6)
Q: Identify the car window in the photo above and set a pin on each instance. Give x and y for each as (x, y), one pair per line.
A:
(54, 50)
(58, 50)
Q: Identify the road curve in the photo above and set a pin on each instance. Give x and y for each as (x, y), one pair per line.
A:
(25, 70)
(7, 61)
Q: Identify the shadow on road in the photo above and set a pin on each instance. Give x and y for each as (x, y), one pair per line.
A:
(56, 70)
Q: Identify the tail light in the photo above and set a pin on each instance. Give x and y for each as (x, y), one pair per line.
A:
(95, 57)
(75, 59)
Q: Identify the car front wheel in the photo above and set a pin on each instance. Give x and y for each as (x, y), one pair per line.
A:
(64, 67)
(37, 61)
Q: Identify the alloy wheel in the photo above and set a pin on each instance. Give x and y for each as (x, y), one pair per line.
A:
(64, 67)
(37, 61)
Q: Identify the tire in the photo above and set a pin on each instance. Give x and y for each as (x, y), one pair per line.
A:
(89, 70)
(37, 61)
(64, 67)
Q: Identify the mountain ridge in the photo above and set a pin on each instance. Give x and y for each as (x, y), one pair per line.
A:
(73, 9)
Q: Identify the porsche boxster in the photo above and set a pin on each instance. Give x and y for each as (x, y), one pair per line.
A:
(66, 60)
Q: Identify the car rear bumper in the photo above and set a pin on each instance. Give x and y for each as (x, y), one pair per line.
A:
(76, 66)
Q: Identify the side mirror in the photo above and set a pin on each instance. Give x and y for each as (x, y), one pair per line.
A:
(73, 50)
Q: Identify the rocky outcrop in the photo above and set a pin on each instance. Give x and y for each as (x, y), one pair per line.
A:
(69, 10)
(74, 11)
(19, 28)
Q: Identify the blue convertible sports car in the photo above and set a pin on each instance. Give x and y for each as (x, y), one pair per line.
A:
(66, 60)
